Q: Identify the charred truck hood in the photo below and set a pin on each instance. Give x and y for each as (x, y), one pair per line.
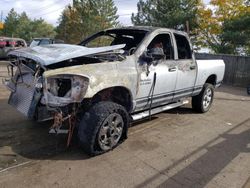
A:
(55, 53)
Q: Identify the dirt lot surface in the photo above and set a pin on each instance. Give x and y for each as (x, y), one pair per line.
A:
(178, 148)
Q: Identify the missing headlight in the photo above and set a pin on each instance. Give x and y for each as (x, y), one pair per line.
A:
(61, 90)
(59, 86)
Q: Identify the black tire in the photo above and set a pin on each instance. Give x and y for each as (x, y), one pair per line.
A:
(93, 121)
(200, 103)
(248, 90)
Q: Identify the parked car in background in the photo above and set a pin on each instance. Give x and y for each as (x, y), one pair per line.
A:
(7, 44)
(44, 41)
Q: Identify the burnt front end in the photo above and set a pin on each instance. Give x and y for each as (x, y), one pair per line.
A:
(39, 98)
(25, 83)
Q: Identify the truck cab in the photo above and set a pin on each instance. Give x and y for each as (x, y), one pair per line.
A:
(174, 73)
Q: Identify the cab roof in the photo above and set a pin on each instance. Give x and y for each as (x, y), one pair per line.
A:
(146, 29)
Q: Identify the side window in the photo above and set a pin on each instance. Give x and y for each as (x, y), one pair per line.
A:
(183, 47)
(19, 43)
(44, 42)
(163, 41)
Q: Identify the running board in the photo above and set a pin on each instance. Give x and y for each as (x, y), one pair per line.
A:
(157, 110)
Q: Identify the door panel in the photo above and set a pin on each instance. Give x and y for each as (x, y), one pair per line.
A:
(165, 74)
(157, 78)
(186, 75)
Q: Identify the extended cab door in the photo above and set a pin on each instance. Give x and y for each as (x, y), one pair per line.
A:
(186, 67)
(157, 78)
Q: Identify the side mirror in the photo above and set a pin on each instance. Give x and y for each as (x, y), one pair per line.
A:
(157, 53)
(146, 57)
(153, 55)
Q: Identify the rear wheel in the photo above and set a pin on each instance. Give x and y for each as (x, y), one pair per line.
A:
(202, 102)
(103, 127)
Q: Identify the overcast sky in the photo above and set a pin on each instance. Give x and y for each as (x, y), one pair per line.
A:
(50, 10)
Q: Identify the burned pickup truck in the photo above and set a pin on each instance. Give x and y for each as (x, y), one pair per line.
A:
(110, 79)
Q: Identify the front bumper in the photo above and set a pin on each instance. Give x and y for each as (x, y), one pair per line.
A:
(24, 94)
(38, 98)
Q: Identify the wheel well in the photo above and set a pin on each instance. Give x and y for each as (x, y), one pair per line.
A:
(211, 80)
(119, 95)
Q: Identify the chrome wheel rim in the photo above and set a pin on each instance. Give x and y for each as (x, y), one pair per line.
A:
(110, 131)
(207, 98)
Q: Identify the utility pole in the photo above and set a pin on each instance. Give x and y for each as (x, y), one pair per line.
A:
(187, 27)
(1, 21)
(1, 16)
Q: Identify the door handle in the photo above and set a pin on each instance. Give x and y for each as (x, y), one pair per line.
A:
(192, 67)
(172, 69)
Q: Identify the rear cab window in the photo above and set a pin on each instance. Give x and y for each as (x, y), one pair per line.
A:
(183, 47)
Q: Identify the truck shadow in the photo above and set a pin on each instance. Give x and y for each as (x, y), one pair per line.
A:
(144, 120)
(22, 138)
(236, 91)
(201, 171)
(31, 140)
(181, 110)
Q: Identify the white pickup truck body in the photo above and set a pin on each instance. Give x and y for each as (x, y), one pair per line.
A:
(141, 71)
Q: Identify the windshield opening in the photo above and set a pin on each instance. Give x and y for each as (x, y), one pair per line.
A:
(131, 39)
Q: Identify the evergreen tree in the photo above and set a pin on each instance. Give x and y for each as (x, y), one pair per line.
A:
(145, 13)
(40, 28)
(86, 17)
(166, 13)
(107, 11)
(20, 25)
(23, 28)
(236, 34)
(10, 24)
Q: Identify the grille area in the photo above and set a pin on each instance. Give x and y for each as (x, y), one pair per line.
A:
(22, 97)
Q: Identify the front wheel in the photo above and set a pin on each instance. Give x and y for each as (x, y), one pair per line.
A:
(202, 102)
(103, 127)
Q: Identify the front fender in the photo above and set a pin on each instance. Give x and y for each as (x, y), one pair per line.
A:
(102, 76)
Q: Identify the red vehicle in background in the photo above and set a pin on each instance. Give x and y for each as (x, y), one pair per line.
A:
(8, 44)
